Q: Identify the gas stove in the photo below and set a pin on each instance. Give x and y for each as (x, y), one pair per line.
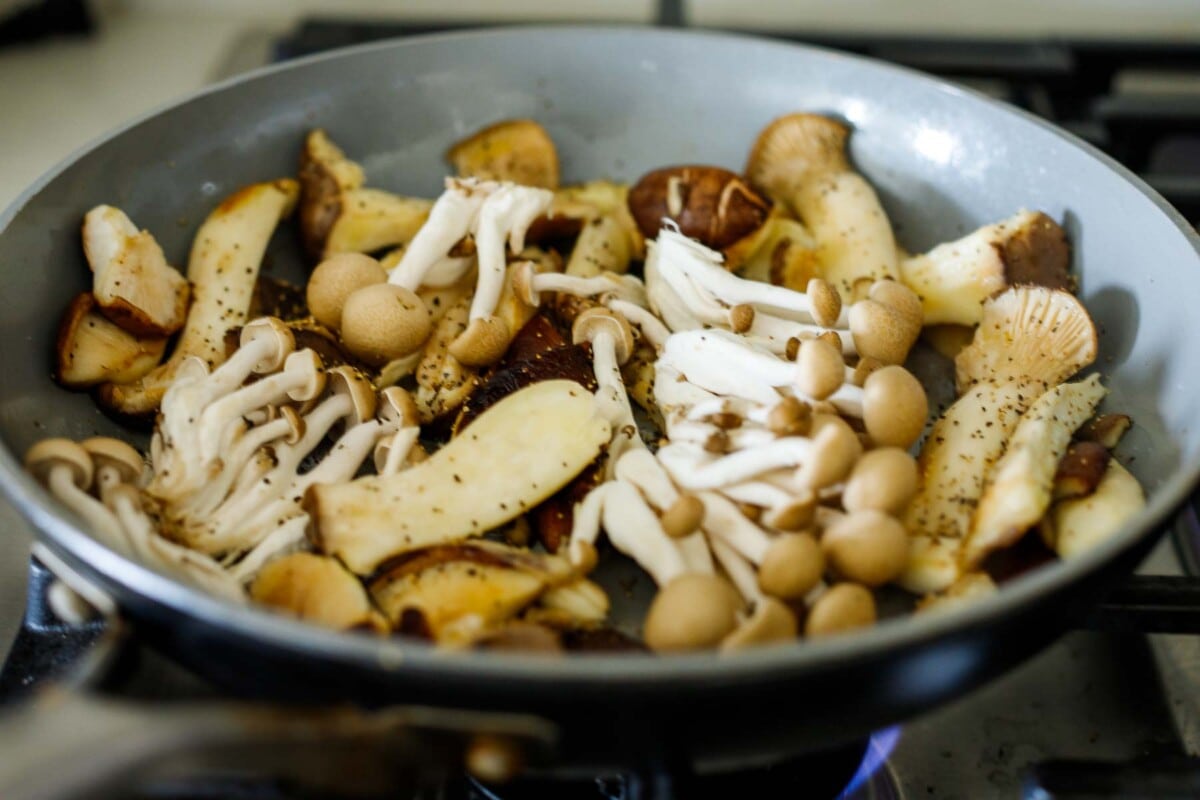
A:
(1111, 713)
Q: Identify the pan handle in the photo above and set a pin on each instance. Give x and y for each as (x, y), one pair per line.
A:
(1149, 604)
(67, 741)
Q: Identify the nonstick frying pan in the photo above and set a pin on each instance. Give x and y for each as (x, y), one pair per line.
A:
(618, 102)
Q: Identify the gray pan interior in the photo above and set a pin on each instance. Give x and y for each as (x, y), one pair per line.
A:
(617, 102)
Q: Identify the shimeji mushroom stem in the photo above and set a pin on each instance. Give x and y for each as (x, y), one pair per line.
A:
(61, 483)
(773, 333)
(529, 284)
(739, 570)
(692, 468)
(651, 327)
(642, 470)
(635, 530)
(724, 522)
(391, 452)
(450, 219)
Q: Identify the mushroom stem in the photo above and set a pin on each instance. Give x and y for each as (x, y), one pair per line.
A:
(740, 572)
(529, 284)
(634, 529)
(391, 452)
(640, 468)
(61, 483)
(691, 467)
(450, 219)
(725, 523)
(651, 326)
(506, 214)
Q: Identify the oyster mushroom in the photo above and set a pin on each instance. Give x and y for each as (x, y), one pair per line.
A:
(132, 282)
(456, 493)
(954, 279)
(222, 269)
(800, 159)
(91, 350)
(338, 214)
(516, 150)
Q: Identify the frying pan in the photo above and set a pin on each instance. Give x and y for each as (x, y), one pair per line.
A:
(618, 102)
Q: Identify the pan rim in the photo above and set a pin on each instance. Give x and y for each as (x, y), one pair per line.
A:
(53, 523)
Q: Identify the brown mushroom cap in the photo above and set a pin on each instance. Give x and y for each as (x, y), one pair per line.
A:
(710, 204)
(884, 479)
(792, 149)
(275, 331)
(521, 277)
(843, 607)
(683, 517)
(894, 407)
(868, 547)
(106, 451)
(795, 515)
(882, 332)
(692, 612)
(395, 403)
(790, 417)
(594, 321)
(835, 449)
(771, 622)
(335, 279)
(820, 369)
(353, 384)
(305, 364)
(826, 302)
(483, 342)
(382, 322)
(46, 455)
(792, 566)
(899, 297)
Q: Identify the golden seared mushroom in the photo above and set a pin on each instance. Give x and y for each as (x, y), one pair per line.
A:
(132, 282)
(517, 150)
(457, 594)
(691, 612)
(887, 323)
(710, 204)
(867, 547)
(222, 268)
(1106, 429)
(444, 382)
(602, 247)
(884, 479)
(800, 159)
(608, 237)
(316, 589)
(840, 608)
(381, 323)
(782, 252)
(334, 280)
(1028, 333)
(1080, 470)
(1021, 482)
(771, 622)
(792, 566)
(1072, 527)
(477, 482)
(954, 279)
(338, 214)
(91, 350)
(967, 589)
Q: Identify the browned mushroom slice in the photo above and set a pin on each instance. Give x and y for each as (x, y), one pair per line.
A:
(479, 481)
(132, 282)
(223, 270)
(1075, 526)
(275, 297)
(517, 150)
(1106, 429)
(781, 251)
(968, 588)
(317, 589)
(601, 198)
(710, 204)
(443, 382)
(1080, 470)
(339, 215)
(954, 279)
(92, 350)
(570, 362)
(458, 593)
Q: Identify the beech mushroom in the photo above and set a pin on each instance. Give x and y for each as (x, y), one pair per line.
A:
(612, 343)
(840, 608)
(66, 470)
(334, 280)
(801, 159)
(867, 547)
(691, 612)
(222, 270)
(884, 479)
(132, 282)
(770, 622)
(954, 279)
(528, 285)
(887, 323)
(381, 323)
(517, 150)
(91, 350)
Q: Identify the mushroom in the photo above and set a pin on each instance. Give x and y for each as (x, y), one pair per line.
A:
(887, 323)
(1106, 429)
(800, 159)
(456, 493)
(1020, 484)
(317, 589)
(339, 215)
(517, 150)
(66, 470)
(782, 252)
(602, 247)
(132, 282)
(884, 479)
(611, 340)
(867, 547)
(681, 513)
(1074, 526)
(967, 589)
(691, 612)
(709, 204)
(91, 350)
(1028, 333)
(334, 280)
(840, 608)
(599, 199)
(1080, 470)
(381, 323)
(770, 622)
(528, 284)
(954, 279)
(222, 269)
